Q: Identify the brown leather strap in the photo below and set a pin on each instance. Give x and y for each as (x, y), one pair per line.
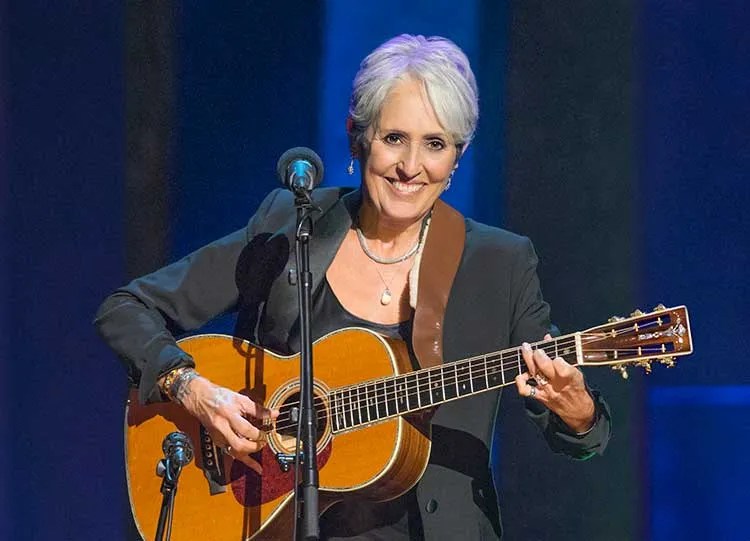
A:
(440, 259)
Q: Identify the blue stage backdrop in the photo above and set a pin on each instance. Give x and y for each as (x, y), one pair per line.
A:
(694, 173)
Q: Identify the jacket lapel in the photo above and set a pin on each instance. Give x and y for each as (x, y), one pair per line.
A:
(329, 230)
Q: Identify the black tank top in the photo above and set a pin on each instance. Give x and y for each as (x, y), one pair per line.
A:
(397, 519)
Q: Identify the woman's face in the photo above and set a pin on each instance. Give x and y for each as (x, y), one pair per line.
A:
(410, 156)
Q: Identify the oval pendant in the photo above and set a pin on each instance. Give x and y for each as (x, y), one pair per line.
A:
(385, 298)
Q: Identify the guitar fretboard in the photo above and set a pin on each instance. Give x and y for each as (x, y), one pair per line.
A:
(377, 400)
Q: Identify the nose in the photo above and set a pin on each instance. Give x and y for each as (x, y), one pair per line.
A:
(410, 164)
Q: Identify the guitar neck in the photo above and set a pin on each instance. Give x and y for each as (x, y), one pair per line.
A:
(377, 400)
(638, 340)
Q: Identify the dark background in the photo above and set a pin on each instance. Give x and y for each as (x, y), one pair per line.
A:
(614, 134)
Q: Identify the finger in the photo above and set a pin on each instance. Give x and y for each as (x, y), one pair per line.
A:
(528, 358)
(547, 337)
(246, 459)
(255, 410)
(242, 446)
(245, 429)
(565, 371)
(522, 384)
(543, 363)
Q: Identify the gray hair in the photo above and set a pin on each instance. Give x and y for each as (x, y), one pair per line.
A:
(435, 61)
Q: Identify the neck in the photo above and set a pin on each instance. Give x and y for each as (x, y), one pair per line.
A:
(385, 235)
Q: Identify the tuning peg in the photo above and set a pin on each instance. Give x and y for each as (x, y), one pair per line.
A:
(623, 370)
(669, 362)
(615, 319)
(646, 365)
(659, 308)
(636, 313)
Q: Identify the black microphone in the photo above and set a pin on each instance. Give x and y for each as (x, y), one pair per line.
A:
(300, 169)
(177, 449)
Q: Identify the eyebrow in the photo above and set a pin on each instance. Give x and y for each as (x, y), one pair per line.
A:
(435, 135)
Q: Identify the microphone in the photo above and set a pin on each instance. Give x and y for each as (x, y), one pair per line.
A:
(300, 170)
(177, 450)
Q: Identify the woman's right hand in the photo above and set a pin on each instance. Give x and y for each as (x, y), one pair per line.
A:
(232, 419)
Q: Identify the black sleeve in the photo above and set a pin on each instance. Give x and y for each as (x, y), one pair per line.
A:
(140, 321)
(530, 323)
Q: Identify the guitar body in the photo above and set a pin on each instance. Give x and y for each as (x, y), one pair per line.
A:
(219, 498)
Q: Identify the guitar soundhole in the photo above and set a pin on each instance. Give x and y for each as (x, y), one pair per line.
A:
(286, 424)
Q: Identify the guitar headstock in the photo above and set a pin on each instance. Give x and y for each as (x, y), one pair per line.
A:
(639, 340)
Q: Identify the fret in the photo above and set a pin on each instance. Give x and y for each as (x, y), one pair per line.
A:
(436, 385)
(471, 377)
(337, 411)
(479, 369)
(372, 403)
(502, 369)
(411, 385)
(353, 407)
(358, 410)
(518, 354)
(349, 406)
(463, 379)
(556, 354)
(486, 377)
(377, 400)
(450, 387)
(391, 403)
(423, 381)
(402, 403)
(518, 366)
(496, 372)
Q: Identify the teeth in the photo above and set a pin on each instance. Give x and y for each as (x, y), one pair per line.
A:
(405, 187)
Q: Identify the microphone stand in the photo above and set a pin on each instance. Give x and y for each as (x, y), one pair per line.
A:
(310, 528)
(170, 473)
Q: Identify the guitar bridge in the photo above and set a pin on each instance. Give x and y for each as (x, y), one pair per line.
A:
(213, 465)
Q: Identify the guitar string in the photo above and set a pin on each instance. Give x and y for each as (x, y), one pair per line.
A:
(374, 398)
(448, 380)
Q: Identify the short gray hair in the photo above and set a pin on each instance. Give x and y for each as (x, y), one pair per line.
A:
(435, 61)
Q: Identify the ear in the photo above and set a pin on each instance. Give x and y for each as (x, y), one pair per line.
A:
(353, 150)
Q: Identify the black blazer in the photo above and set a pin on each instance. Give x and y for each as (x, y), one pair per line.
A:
(495, 302)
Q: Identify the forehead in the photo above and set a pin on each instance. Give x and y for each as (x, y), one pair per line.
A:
(407, 106)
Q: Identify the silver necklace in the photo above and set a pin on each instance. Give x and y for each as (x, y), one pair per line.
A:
(385, 260)
(387, 296)
(392, 260)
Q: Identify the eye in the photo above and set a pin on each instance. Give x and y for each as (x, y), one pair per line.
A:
(392, 138)
(436, 144)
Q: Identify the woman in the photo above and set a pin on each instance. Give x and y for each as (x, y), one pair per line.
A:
(413, 112)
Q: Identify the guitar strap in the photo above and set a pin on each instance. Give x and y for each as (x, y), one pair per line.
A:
(438, 265)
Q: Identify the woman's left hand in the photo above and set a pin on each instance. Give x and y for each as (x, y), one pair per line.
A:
(559, 386)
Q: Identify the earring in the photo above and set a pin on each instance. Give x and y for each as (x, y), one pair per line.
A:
(350, 169)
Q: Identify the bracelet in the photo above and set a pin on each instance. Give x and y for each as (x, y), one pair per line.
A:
(175, 380)
(179, 388)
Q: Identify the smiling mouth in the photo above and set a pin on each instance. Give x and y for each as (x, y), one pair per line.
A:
(405, 187)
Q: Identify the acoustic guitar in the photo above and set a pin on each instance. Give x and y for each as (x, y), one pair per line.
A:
(373, 435)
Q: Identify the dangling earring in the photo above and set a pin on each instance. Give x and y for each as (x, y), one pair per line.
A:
(350, 169)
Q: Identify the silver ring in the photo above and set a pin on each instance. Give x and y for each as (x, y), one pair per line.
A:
(532, 393)
(541, 380)
(228, 449)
